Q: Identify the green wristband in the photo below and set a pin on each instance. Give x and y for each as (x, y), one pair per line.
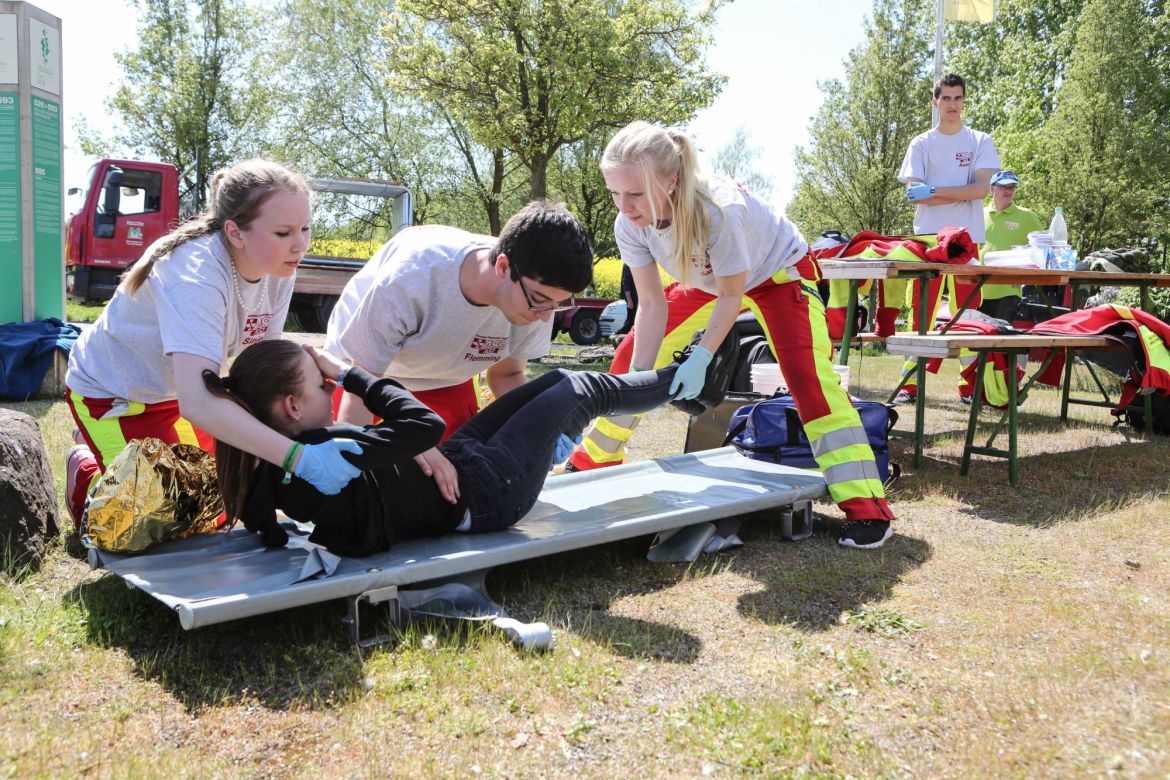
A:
(290, 457)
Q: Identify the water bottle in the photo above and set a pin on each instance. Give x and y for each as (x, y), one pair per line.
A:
(1058, 228)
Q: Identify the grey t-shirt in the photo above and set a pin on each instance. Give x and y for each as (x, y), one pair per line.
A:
(747, 235)
(404, 316)
(187, 304)
(943, 160)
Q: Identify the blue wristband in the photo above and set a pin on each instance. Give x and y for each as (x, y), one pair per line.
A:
(341, 376)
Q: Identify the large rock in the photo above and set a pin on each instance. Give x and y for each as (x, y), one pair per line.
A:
(28, 502)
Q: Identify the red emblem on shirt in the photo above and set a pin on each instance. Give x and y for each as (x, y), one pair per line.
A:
(255, 326)
(964, 158)
(487, 349)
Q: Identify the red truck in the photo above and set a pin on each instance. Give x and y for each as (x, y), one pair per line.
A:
(127, 204)
(583, 321)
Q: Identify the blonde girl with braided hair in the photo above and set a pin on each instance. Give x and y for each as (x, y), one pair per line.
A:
(730, 252)
(194, 300)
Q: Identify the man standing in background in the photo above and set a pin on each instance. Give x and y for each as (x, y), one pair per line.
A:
(947, 172)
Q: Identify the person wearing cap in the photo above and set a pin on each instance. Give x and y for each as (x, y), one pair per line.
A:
(1006, 225)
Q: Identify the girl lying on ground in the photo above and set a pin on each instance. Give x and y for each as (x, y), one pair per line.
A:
(501, 455)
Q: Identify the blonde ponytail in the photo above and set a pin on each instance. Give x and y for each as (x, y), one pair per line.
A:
(658, 154)
(237, 194)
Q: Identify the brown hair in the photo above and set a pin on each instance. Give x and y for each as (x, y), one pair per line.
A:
(261, 375)
(657, 153)
(950, 80)
(237, 194)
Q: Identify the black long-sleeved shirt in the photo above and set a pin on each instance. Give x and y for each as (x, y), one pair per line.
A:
(391, 499)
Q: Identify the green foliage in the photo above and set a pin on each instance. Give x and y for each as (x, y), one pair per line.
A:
(1075, 93)
(846, 176)
(194, 87)
(575, 177)
(343, 247)
(345, 121)
(1104, 147)
(607, 277)
(532, 76)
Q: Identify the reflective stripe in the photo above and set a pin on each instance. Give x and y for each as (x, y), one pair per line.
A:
(618, 428)
(599, 455)
(853, 471)
(186, 432)
(835, 440)
(856, 488)
(604, 443)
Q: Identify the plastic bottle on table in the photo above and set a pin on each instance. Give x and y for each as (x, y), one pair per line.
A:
(1058, 228)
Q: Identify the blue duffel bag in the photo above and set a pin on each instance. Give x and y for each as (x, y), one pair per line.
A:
(771, 430)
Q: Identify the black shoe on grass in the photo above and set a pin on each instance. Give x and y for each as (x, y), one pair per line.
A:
(865, 534)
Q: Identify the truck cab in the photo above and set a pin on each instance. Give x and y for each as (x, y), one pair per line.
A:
(125, 206)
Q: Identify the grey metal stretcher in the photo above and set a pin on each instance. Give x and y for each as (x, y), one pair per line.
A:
(220, 577)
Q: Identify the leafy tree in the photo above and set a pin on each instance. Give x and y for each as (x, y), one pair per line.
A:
(345, 120)
(1103, 148)
(575, 177)
(846, 176)
(193, 90)
(1014, 67)
(533, 76)
(737, 160)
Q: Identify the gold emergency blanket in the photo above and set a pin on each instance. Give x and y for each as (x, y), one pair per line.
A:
(153, 492)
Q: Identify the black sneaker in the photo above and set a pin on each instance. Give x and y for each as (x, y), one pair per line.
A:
(965, 400)
(865, 534)
(718, 376)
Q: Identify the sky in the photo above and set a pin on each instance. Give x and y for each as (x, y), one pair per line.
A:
(772, 51)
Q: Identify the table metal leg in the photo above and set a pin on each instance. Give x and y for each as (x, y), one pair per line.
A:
(850, 319)
(1013, 413)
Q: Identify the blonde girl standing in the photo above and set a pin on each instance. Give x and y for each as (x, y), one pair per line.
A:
(731, 252)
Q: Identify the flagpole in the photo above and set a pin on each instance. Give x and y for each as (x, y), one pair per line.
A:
(938, 48)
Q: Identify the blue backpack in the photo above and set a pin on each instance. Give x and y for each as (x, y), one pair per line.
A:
(771, 430)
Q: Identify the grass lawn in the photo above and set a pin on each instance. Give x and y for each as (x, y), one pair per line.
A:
(1003, 631)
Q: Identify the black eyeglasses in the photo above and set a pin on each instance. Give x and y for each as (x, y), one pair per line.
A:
(568, 303)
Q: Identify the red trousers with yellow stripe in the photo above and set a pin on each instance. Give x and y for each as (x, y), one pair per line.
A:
(793, 319)
(108, 424)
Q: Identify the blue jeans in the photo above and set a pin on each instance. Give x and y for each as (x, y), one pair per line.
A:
(503, 454)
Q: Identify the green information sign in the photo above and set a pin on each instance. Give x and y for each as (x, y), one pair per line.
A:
(48, 229)
(10, 270)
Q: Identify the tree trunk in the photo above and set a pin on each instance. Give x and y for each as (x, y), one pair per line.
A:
(538, 182)
(493, 204)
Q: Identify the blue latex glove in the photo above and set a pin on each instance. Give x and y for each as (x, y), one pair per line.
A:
(919, 191)
(563, 449)
(323, 467)
(691, 375)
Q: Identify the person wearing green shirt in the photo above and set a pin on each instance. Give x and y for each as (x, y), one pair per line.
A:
(1007, 225)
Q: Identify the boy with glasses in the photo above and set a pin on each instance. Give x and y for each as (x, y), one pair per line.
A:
(437, 305)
